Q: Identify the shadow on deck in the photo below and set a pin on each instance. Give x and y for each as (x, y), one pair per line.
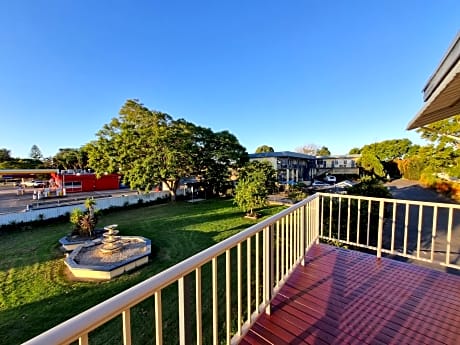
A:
(348, 297)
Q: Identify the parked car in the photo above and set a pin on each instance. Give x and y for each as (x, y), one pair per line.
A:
(319, 184)
(34, 184)
(330, 179)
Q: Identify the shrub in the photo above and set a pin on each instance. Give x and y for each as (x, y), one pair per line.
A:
(84, 222)
(370, 187)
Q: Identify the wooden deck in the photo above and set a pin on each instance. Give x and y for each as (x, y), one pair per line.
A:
(347, 297)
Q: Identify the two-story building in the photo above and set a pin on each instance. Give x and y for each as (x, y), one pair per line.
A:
(295, 167)
(291, 167)
(337, 165)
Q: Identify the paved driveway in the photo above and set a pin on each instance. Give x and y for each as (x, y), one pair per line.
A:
(423, 227)
(412, 190)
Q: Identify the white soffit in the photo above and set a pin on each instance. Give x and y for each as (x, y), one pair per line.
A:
(442, 92)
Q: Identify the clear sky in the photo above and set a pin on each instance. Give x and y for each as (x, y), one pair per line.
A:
(281, 73)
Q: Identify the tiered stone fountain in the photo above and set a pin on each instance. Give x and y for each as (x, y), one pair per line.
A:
(111, 257)
(111, 242)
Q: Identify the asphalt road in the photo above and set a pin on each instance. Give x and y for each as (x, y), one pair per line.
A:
(420, 225)
(412, 190)
(11, 202)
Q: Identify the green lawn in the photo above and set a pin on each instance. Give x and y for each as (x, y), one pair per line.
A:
(35, 294)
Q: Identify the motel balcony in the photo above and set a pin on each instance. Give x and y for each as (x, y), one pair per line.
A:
(332, 269)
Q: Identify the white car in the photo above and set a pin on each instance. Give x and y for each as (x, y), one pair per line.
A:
(319, 184)
(34, 183)
(330, 179)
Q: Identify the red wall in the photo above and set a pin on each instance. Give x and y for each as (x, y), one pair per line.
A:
(88, 182)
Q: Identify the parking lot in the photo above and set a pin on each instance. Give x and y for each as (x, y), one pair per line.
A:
(10, 201)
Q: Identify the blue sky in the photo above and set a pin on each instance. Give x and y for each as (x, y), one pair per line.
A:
(282, 73)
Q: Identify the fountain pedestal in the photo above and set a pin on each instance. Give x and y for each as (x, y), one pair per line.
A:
(111, 257)
(111, 242)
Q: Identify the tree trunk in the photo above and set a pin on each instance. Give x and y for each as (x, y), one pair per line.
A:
(172, 186)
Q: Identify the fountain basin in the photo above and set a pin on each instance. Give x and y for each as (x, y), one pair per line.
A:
(68, 243)
(88, 262)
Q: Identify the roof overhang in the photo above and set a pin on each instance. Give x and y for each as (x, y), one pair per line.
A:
(442, 92)
(27, 171)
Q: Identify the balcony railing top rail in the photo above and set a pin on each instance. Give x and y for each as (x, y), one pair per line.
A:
(246, 270)
(291, 230)
(418, 230)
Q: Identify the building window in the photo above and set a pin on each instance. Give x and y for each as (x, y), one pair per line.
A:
(74, 185)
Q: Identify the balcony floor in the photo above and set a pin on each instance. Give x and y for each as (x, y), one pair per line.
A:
(348, 297)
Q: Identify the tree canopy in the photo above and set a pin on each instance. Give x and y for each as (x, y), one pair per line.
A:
(370, 163)
(71, 158)
(354, 151)
(323, 151)
(254, 184)
(149, 147)
(378, 158)
(5, 155)
(388, 150)
(443, 133)
(35, 153)
(264, 148)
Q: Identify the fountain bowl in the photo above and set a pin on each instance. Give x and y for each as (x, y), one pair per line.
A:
(88, 262)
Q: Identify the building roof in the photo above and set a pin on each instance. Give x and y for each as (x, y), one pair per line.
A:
(339, 156)
(26, 171)
(442, 92)
(287, 154)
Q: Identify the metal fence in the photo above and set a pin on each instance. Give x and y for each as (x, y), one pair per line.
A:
(423, 231)
(65, 207)
(245, 271)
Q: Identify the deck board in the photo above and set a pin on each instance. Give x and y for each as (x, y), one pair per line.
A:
(348, 297)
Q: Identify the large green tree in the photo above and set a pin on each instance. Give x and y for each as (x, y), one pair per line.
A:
(216, 155)
(354, 151)
(443, 155)
(388, 150)
(71, 158)
(21, 163)
(264, 148)
(443, 133)
(5, 155)
(254, 184)
(378, 158)
(323, 151)
(149, 147)
(8, 162)
(371, 164)
(35, 153)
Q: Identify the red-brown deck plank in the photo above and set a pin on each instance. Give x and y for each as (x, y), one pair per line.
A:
(348, 297)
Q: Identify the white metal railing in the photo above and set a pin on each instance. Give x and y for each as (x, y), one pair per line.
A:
(246, 271)
(423, 231)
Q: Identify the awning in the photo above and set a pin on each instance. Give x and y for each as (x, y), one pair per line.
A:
(442, 92)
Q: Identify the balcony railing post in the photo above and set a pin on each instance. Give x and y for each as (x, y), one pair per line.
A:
(319, 207)
(303, 227)
(380, 229)
(271, 243)
(126, 316)
(184, 310)
(268, 268)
